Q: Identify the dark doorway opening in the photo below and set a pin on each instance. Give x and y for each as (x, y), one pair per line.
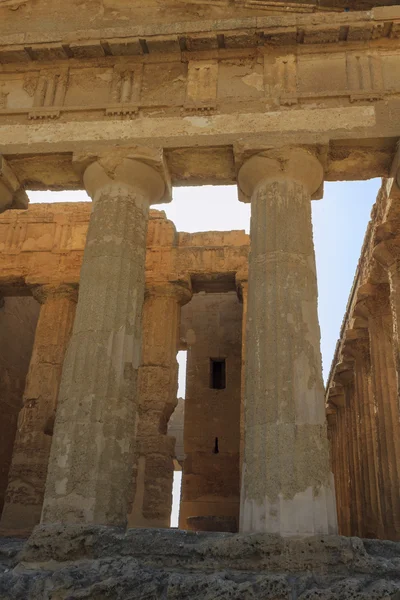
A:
(217, 373)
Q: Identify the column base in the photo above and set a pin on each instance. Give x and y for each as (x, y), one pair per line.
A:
(306, 514)
(94, 562)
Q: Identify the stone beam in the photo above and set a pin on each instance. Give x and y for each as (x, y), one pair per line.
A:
(45, 246)
(151, 35)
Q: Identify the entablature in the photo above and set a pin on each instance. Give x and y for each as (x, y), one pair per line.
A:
(45, 245)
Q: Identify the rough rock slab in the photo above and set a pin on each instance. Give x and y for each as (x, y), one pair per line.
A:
(96, 563)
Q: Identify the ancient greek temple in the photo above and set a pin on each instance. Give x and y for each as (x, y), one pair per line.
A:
(290, 489)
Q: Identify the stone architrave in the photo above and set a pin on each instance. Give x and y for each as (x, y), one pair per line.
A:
(27, 477)
(387, 253)
(374, 305)
(287, 484)
(157, 393)
(91, 461)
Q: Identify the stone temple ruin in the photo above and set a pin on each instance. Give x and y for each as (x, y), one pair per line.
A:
(289, 491)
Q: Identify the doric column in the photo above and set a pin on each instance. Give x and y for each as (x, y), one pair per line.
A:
(367, 477)
(158, 387)
(91, 461)
(344, 378)
(387, 253)
(374, 306)
(287, 484)
(353, 440)
(27, 477)
(242, 285)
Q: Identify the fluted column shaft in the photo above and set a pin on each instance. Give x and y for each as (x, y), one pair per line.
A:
(27, 477)
(376, 308)
(394, 281)
(343, 474)
(287, 484)
(91, 462)
(371, 482)
(158, 387)
(242, 283)
(353, 442)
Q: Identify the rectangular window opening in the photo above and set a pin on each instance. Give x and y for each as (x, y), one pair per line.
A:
(217, 373)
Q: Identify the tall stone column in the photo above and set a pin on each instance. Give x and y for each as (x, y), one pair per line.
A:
(158, 388)
(387, 253)
(367, 478)
(344, 376)
(243, 287)
(352, 439)
(91, 461)
(287, 484)
(27, 477)
(374, 305)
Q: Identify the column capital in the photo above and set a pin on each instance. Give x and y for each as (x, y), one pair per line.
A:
(336, 396)
(42, 293)
(295, 164)
(344, 373)
(356, 345)
(181, 289)
(372, 300)
(12, 195)
(331, 414)
(145, 169)
(387, 252)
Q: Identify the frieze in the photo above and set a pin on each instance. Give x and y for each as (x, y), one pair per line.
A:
(211, 85)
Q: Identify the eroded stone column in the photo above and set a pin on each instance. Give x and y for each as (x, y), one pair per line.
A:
(242, 287)
(344, 376)
(158, 387)
(374, 305)
(369, 480)
(27, 477)
(287, 484)
(91, 461)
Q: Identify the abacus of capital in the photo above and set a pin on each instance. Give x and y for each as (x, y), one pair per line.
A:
(280, 477)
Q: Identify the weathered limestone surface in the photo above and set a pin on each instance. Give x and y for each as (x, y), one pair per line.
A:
(100, 563)
(211, 326)
(91, 462)
(368, 351)
(287, 484)
(18, 318)
(197, 82)
(370, 478)
(17, 15)
(243, 289)
(374, 304)
(157, 392)
(44, 246)
(27, 476)
(46, 242)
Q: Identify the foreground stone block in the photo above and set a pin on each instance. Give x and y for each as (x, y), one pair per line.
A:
(98, 563)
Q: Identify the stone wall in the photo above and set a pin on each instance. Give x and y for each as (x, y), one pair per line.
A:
(42, 249)
(211, 325)
(18, 318)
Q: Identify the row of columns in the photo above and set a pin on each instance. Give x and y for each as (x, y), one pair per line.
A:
(287, 486)
(365, 424)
